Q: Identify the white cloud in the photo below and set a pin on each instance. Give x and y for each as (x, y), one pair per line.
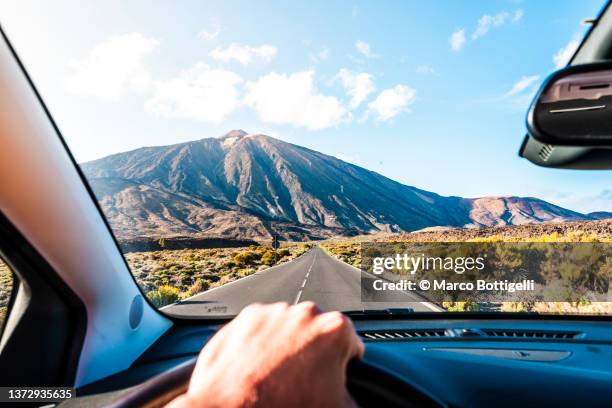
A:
(390, 102)
(244, 54)
(522, 84)
(457, 40)
(357, 85)
(112, 66)
(320, 56)
(486, 22)
(606, 195)
(365, 49)
(200, 93)
(425, 69)
(563, 56)
(294, 100)
(324, 54)
(520, 95)
(584, 203)
(518, 14)
(210, 35)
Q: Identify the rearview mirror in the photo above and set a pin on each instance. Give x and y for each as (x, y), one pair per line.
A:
(574, 107)
(566, 157)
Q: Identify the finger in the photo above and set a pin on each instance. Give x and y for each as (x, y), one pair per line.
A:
(340, 329)
(249, 319)
(308, 308)
(356, 347)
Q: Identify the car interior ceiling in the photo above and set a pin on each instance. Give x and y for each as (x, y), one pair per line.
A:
(412, 359)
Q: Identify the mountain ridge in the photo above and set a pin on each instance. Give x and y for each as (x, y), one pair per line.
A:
(250, 186)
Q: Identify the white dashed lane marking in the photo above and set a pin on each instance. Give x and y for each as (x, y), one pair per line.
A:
(299, 295)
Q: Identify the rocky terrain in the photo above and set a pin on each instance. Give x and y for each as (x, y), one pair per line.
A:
(602, 229)
(243, 186)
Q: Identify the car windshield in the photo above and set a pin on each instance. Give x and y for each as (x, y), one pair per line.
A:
(361, 155)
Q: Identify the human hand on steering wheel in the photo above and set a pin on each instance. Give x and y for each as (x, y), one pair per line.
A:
(275, 355)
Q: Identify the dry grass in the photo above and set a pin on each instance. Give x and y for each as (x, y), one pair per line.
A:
(169, 275)
(348, 250)
(6, 286)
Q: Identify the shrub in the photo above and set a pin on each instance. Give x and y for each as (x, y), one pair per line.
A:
(303, 248)
(229, 264)
(467, 306)
(247, 257)
(185, 280)
(283, 252)
(268, 258)
(164, 295)
(246, 272)
(200, 285)
(169, 264)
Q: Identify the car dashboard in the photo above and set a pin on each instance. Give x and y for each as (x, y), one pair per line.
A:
(459, 362)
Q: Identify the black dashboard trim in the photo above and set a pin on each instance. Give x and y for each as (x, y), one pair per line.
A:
(522, 316)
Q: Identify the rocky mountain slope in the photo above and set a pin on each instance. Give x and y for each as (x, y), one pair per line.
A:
(249, 186)
(600, 215)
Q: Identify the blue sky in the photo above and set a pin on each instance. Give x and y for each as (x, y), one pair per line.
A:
(429, 93)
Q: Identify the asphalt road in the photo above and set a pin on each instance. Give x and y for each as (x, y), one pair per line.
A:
(315, 276)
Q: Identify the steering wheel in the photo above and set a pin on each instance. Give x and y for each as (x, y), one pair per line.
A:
(369, 386)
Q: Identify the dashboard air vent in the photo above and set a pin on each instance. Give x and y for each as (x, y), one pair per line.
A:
(376, 335)
(535, 334)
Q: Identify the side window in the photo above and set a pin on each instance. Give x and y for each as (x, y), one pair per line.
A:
(6, 287)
